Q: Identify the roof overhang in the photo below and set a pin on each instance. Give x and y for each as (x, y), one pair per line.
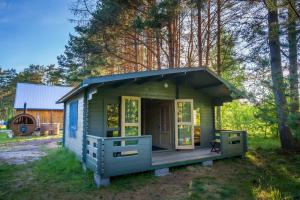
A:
(199, 78)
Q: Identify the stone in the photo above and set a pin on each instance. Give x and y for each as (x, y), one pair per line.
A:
(162, 172)
(207, 163)
(10, 134)
(100, 181)
(36, 133)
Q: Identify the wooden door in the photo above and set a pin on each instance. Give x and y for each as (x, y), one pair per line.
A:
(184, 126)
(165, 125)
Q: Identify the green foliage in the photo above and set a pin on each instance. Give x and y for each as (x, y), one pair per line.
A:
(244, 116)
(160, 15)
(294, 124)
(39, 74)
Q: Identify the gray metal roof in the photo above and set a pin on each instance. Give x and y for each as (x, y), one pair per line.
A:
(198, 77)
(41, 97)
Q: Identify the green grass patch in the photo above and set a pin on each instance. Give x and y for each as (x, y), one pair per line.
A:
(59, 172)
(265, 173)
(261, 142)
(5, 139)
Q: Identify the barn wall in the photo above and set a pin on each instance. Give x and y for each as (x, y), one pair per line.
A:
(45, 115)
(154, 90)
(74, 144)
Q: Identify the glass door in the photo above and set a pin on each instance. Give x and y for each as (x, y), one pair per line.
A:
(184, 130)
(131, 116)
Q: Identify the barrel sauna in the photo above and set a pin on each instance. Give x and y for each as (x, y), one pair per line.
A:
(23, 124)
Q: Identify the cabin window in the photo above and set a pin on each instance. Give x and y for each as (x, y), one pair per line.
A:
(112, 120)
(184, 124)
(197, 129)
(73, 118)
(184, 111)
(131, 116)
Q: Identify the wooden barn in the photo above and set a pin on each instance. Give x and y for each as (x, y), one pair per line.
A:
(40, 101)
(150, 120)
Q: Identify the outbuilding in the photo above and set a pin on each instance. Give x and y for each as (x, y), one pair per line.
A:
(39, 101)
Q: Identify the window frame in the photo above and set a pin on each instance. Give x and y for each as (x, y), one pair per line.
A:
(125, 124)
(73, 121)
(108, 102)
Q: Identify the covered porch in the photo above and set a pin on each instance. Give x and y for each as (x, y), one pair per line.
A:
(123, 155)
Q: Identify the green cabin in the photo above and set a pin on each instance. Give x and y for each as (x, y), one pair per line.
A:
(149, 120)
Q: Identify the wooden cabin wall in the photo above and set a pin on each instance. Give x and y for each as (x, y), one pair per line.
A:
(151, 90)
(45, 115)
(75, 143)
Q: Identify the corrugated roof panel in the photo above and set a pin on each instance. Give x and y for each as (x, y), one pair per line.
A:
(39, 96)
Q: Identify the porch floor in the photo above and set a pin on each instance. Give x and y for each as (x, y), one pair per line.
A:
(181, 157)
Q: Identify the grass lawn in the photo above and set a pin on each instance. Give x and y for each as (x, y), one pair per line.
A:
(4, 139)
(265, 173)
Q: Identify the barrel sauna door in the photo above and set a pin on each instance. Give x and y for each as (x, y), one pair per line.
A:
(23, 124)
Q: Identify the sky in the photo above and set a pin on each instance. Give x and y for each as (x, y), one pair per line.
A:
(33, 31)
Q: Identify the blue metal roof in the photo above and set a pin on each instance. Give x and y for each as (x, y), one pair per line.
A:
(41, 97)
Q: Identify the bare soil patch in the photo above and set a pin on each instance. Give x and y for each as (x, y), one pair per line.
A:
(24, 152)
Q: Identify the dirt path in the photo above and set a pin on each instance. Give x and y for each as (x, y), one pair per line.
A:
(23, 152)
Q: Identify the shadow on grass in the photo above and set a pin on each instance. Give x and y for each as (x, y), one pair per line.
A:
(262, 174)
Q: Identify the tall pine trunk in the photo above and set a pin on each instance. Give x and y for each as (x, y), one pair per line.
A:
(293, 69)
(219, 70)
(199, 32)
(208, 33)
(286, 138)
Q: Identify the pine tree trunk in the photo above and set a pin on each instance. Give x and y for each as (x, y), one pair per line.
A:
(158, 42)
(208, 33)
(286, 138)
(199, 34)
(293, 69)
(171, 44)
(219, 70)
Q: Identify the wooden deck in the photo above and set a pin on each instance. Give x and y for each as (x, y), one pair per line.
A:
(108, 157)
(176, 158)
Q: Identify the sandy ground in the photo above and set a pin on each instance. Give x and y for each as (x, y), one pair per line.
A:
(23, 152)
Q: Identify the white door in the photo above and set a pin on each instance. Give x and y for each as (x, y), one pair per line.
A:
(184, 130)
(131, 116)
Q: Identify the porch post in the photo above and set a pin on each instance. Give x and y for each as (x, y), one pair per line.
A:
(85, 129)
(213, 120)
(64, 125)
(99, 178)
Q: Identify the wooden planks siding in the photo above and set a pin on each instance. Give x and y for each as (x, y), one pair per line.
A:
(45, 115)
(96, 115)
(74, 144)
(152, 90)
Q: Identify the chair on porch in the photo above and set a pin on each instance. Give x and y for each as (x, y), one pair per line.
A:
(216, 143)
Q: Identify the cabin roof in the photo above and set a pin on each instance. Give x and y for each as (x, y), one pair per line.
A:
(39, 97)
(199, 78)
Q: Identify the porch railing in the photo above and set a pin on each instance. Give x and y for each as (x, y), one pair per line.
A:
(119, 155)
(233, 143)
